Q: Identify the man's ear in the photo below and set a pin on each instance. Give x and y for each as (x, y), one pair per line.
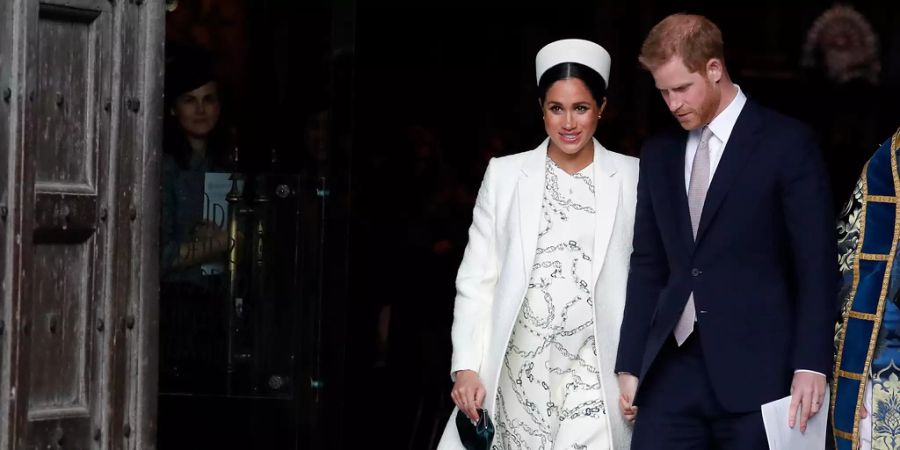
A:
(715, 69)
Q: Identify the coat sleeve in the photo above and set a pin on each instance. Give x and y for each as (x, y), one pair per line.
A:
(475, 282)
(809, 219)
(648, 273)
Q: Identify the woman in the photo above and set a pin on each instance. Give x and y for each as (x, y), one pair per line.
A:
(532, 342)
(190, 296)
(193, 146)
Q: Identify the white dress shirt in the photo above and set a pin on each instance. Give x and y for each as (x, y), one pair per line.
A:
(721, 127)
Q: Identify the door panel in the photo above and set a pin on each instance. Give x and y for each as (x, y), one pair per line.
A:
(66, 140)
(70, 42)
(59, 370)
(78, 256)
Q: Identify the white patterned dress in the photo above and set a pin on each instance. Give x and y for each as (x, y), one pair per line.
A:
(549, 395)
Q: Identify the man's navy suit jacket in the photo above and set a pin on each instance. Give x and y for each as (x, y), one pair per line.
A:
(763, 268)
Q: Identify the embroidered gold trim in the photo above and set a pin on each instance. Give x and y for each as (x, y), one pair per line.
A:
(874, 257)
(895, 142)
(880, 199)
(853, 287)
(851, 375)
(863, 316)
(854, 437)
(843, 435)
(885, 283)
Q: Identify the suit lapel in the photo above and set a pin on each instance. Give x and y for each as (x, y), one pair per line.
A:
(606, 203)
(529, 193)
(741, 144)
(674, 168)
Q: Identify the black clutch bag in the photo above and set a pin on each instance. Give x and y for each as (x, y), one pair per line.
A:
(477, 436)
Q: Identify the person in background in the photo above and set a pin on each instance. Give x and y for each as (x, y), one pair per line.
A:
(194, 144)
(865, 383)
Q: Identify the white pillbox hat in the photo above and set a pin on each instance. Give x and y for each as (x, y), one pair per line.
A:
(574, 51)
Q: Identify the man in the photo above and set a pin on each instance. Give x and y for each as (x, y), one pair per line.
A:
(731, 294)
(865, 377)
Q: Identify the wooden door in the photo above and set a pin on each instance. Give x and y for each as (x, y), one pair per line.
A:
(79, 152)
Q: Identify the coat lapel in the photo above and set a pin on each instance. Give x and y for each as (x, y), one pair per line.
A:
(740, 145)
(529, 193)
(606, 203)
(606, 200)
(674, 168)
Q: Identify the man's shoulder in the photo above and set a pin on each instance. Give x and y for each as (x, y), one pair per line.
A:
(777, 124)
(663, 141)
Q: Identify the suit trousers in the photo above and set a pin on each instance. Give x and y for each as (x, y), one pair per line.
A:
(678, 409)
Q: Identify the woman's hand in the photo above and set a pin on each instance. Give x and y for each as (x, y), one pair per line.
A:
(208, 243)
(468, 393)
(627, 387)
(214, 235)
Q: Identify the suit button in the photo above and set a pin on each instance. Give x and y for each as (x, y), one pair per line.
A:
(695, 272)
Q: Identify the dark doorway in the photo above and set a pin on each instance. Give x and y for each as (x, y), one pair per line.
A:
(253, 203)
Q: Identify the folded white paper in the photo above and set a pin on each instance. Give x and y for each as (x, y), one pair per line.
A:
(782, 437)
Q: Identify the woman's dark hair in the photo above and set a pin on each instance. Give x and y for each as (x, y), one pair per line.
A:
(189, 68)
(562, 71)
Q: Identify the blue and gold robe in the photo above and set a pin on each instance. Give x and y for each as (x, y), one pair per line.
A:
(868, 338)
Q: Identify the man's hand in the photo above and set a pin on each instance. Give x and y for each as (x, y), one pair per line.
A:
(627, 387)
(807, 395)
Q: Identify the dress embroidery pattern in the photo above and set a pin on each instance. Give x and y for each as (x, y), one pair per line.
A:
(549, 394)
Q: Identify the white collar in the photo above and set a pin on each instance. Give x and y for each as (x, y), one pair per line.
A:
(723, 124)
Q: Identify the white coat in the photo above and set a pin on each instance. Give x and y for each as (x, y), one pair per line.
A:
(496, 267)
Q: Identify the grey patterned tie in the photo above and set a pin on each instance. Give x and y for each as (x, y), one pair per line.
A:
(698, 186)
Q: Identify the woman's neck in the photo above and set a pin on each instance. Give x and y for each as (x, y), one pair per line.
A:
(198, 147)
(572, 163)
